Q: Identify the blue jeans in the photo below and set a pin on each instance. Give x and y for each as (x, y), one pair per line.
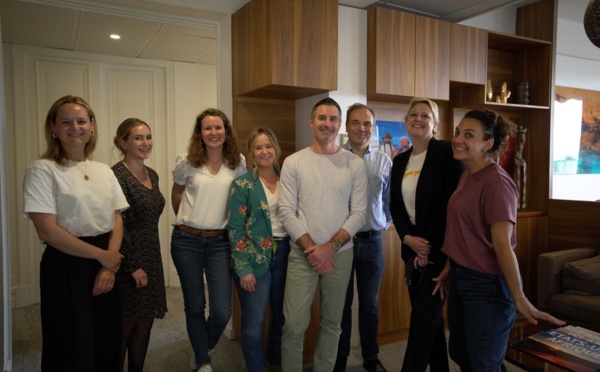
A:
(480, 315)
(254, 306)
(193, 256)
(279, 267)
(368, 265)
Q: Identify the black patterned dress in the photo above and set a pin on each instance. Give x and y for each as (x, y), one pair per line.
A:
(141, 247)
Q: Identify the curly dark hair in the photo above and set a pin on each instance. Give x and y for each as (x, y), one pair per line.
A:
(196, 150)
(494, 126)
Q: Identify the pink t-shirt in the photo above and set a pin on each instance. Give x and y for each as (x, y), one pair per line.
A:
(486, 197)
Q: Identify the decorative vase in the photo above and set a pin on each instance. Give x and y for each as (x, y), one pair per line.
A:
(489, 91)
(522, 93)
(591, 22)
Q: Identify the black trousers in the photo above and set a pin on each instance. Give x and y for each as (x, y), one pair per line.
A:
(426, 337)
(80, 332)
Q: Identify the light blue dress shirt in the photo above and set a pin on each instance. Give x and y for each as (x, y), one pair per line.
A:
(379, 167)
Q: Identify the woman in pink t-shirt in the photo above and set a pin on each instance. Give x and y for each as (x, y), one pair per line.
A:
(486, 288)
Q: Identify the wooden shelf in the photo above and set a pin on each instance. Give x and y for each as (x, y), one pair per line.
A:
(513, 43)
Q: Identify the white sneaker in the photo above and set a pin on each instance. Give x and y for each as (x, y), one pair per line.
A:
(205, 368)
(193, 365)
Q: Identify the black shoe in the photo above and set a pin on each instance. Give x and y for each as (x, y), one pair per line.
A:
(374, 366)
(340, 364)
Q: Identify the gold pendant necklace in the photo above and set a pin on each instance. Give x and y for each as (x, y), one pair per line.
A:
(84, 172)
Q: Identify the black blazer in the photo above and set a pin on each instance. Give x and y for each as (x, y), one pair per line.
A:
(437, 182)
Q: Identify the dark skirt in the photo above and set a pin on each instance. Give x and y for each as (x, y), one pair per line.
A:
(80, 332)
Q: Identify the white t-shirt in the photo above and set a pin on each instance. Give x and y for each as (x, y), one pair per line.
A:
(409, 183)
(204, 202)
(83, 208)
(273, 200)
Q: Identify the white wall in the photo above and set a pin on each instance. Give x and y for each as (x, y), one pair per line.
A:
(502, 20)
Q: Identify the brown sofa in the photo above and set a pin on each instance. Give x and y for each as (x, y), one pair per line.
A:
(568, 284)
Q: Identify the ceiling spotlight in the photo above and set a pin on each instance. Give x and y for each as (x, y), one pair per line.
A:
(115, 36)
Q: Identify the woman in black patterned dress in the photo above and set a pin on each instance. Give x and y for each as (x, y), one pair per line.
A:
(141, 278)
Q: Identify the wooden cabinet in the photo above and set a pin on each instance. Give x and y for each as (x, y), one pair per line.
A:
(532, 232)
(408, 55)
(468, 53)
(285, 49)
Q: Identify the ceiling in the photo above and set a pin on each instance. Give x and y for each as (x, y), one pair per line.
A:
(177, 30)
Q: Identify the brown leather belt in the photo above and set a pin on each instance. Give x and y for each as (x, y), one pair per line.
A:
(201, 233)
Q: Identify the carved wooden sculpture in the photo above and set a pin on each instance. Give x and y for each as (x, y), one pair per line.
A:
(520, 167)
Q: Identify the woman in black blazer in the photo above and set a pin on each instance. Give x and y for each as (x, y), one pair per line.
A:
(423, 179)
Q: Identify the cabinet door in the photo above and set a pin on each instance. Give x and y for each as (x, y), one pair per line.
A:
(468, 47)
(391, 54)
(432, 53)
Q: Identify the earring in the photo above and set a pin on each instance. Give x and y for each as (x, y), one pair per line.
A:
(92, 134)
(54, 135)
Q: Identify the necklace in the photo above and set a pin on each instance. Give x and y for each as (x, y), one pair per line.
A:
(84, 172)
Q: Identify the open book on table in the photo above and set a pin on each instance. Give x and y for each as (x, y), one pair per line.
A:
(574, 348)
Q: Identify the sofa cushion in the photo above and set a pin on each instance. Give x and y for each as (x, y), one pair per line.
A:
(582, 276)
(585, 309)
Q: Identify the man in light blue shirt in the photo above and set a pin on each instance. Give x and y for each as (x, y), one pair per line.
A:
(368, 258)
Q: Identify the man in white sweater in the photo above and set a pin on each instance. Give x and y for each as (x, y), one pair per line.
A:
(323, 204)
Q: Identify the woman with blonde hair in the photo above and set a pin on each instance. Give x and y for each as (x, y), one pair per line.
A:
(141, 278)
(423, 178)
(75, 205)
(199, 243)
(259, 249)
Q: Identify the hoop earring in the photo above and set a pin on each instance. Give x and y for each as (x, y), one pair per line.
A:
(54, 135)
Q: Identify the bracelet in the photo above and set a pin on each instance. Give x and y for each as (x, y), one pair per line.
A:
(520, 299)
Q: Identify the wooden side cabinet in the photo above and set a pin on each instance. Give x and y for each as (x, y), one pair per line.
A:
(468, 53)
(285, 49)
(408, 55)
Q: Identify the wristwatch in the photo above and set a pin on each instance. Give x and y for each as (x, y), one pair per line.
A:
(336, 245)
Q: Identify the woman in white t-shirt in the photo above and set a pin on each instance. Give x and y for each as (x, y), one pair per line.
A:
(199, 243)
(423, 178)
(75, 205)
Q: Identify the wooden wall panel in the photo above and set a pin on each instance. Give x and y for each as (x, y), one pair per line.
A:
(394, 304)
(573, 224)
(315, 44)
(285, 48)
(432, 63)
(277, 114)
(468, 52)
(390, 54)
(531, 242)
(538, 20)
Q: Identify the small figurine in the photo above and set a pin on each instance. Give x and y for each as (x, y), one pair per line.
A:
(490, 91)
(504, 93)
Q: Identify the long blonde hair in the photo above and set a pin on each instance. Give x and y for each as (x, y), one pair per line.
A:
(54, 150)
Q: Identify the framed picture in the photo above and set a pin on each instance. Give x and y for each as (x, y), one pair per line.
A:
(391, 131)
